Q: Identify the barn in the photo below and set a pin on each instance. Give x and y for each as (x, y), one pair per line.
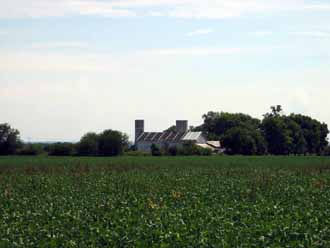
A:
(181, 135)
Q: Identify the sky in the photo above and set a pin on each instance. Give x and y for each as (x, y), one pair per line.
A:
(68, 67)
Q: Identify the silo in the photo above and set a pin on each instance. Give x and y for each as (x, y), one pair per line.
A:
(182, 126)
(139, 128)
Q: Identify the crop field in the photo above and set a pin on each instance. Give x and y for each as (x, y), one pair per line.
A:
(215, 201)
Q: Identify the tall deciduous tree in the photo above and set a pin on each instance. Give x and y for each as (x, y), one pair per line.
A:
(88, 145)
(112, 143)
(314, 132)
(294, 134)
(216, 124)
(277, 134)
(239, 141)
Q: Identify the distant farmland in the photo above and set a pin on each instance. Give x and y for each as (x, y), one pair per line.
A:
(216, 201)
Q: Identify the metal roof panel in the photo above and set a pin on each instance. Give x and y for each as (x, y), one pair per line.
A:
(192, 136)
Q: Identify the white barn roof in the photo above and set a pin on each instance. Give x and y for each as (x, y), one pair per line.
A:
(190, 136)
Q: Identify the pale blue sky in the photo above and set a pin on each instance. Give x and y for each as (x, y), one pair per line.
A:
(72, 66)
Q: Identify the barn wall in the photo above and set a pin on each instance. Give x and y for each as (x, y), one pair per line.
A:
(146, 146)
(143, 146)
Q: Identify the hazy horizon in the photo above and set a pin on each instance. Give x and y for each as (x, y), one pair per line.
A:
(68, 67)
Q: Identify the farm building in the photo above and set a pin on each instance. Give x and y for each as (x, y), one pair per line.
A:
(181, 135)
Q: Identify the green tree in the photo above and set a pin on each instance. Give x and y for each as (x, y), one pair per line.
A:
(299, 144)
(239, 140)
(293, 134)
(277, 135)
(9, 139)
(315, 133)
(88, 145)
(112, 143)
(261, 143)
(216, 124)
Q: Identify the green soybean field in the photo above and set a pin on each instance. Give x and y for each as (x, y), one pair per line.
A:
(216, 201)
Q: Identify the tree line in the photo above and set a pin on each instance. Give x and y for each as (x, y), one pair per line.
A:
(275, 134)
(108, 143)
